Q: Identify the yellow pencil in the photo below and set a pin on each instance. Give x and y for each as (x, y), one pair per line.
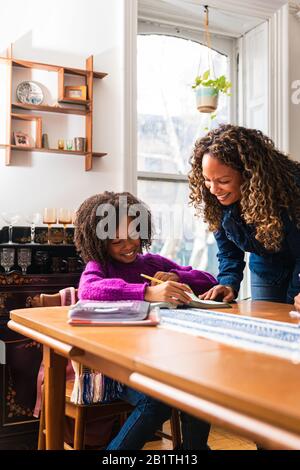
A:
(159, 281)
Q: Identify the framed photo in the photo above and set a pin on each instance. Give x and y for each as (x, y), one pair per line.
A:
(75, 92)
(21, 139)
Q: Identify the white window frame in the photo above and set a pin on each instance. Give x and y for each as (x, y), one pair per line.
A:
(222, 44)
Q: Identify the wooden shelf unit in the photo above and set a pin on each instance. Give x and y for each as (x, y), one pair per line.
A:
(85, 107)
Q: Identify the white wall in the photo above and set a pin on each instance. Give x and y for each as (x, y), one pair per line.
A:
(66, 32)
(285, 80)
(294, 76)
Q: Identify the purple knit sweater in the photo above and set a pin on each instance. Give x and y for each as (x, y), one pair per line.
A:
(121, 281)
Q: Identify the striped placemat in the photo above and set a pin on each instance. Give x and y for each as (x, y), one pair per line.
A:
(255, 334)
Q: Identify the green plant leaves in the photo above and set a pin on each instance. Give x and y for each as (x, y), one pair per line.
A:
(206, 75)
(220, 84)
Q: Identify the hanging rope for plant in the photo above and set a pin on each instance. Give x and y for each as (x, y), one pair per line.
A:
(208, 44)
(207, 86)
(208, 41)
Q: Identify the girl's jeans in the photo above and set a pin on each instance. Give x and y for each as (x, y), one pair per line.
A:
(148, 416)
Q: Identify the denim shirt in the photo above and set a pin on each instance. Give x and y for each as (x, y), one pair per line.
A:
(235, 237)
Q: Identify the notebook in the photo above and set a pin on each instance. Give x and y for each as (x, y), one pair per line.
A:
(127, 312)
(194, 303)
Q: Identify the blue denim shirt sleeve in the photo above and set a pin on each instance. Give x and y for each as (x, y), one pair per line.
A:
(231, 261)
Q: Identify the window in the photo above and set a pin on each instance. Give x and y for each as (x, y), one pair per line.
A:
(179, 235)
(168, 126)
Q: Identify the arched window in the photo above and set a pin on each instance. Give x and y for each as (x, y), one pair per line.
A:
(168, 126)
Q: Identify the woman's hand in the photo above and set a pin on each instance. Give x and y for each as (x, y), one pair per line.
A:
(297, 302)
(162, 276)
(168, 291)
(226, 293)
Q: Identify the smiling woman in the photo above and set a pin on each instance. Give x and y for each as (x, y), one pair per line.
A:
(249, 193)
(221, 180)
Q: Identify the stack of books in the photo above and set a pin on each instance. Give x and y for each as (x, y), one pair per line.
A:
(119, 313)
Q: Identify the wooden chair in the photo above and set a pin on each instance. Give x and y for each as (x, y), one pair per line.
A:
(80, 412)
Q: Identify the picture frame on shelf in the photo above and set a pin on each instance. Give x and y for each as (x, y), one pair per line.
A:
(21, 139)
(76, 92)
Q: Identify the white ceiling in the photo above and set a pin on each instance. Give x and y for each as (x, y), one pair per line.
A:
(230, 17)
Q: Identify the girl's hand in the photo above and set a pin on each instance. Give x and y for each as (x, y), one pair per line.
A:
(226, 293)
(297, 302)
(162, 276)
(168, 291)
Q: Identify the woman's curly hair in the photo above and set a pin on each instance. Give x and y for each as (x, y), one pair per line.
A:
(269, 181)
(88, 244)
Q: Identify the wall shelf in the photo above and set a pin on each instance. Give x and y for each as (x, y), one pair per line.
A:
(43, 150)
(74, 101)
(49, 109)
(84, 107)
(54, 68)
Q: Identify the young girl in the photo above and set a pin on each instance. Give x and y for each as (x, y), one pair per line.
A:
(115, 262)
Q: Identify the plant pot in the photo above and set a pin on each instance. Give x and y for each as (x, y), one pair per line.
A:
(207, 99)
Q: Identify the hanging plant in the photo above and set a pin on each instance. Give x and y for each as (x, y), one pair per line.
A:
(207, 91)
(207, 88)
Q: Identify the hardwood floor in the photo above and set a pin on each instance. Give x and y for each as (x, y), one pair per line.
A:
(219, 439)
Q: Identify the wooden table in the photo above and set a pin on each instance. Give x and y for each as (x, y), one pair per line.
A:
(253, 394)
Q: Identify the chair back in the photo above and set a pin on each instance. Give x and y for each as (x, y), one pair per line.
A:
(50, 300)
(66, 296)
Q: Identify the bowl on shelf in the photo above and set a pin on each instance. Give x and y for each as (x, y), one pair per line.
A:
(29, 93)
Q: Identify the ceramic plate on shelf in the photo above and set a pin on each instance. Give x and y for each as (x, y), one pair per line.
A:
(29, 93)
